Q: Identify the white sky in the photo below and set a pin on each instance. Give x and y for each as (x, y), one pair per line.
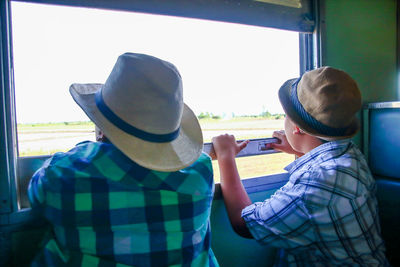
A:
(226, 68)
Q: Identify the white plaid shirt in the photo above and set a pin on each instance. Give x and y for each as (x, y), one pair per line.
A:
(326, 215)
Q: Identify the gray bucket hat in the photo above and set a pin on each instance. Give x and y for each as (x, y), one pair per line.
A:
(141, 111)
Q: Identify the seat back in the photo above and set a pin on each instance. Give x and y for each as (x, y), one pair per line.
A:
(382, 145)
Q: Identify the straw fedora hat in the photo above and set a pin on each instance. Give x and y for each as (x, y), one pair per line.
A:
(323, 102)
(141, 111)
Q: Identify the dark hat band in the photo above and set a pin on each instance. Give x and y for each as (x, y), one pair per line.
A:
(310, 120)
(129, 129)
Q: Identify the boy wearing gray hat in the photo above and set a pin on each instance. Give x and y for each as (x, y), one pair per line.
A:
(142, 198)
(326, 214)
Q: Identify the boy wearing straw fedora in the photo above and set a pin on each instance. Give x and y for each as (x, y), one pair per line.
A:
(326, 214)
(142, 196)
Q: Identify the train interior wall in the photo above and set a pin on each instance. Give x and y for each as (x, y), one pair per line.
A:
(359, 36)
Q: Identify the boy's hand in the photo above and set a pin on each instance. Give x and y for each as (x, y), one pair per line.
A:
(283, 145)
(225, 146)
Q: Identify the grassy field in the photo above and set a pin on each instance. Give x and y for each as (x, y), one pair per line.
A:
(45, 139)
(61, 126)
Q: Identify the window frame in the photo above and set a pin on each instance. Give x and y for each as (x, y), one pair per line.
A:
(250, 12)
(10, 211)
(8, 144)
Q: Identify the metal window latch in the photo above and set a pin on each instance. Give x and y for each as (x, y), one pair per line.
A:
(254, 147)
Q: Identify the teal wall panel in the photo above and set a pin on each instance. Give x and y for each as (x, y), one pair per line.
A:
(230, 249)
(359, 36)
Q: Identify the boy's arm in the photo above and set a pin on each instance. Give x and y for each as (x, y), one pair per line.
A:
(35, 192)
(235, 196)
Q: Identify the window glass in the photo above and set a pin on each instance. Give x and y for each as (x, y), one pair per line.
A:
(231, 73)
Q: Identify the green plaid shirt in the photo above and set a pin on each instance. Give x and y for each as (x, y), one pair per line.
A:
(105, 210)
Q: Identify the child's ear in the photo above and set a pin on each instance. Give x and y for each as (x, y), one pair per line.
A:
(99, 134)
(297, 130)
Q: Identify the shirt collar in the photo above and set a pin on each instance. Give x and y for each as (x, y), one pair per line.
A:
(337, 146)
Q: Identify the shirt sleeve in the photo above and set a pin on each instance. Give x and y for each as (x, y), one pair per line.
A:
(36, 193)
(282, 220)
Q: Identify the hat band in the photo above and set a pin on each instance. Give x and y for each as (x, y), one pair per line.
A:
(310, 120)
(129, 129)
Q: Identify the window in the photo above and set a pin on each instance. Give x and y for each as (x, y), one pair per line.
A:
(231, 72)
(39, 46)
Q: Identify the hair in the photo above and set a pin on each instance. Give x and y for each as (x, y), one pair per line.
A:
(323, 141)
(103, 139)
